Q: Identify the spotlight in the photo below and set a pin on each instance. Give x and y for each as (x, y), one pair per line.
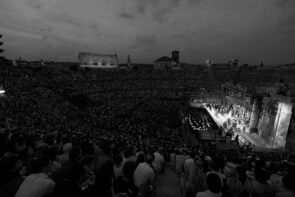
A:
(2, 91)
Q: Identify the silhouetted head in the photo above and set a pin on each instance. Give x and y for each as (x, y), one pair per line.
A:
(214, 183)
(128, 169)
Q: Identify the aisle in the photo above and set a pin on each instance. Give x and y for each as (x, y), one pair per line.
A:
(167, 185)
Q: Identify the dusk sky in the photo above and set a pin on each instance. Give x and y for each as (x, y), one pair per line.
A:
(251, 30)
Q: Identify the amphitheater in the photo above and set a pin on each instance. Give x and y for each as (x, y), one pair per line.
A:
(141, 106)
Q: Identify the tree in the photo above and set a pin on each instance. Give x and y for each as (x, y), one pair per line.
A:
(1, 50)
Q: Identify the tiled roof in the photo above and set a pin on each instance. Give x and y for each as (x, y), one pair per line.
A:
(164, 59)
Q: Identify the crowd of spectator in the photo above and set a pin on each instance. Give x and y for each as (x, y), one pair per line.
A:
(206, 172)
(116, 144)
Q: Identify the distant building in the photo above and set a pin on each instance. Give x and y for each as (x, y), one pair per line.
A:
(167, 62)
(21, 62)
(44, 64)
(234, 62)
(175, 56)
(36, 63)
(208, 62)
(163, 62)
(96, 60)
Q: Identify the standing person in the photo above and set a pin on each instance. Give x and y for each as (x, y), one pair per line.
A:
(179, 160)
(251, 186)
(190, 174)
(214, 186)
(125, 183)
(275, 179)
(118, 165)
(37, 184)
(216, 168)
(68, 167)
(140, 158)
(66, 150)
(11, 179)
(104, 171)
(289, 186)
(144, 175)
(87, 162)
(172, 158)
(158, 162)
(200, 180)
(70, 186)
(233, 184)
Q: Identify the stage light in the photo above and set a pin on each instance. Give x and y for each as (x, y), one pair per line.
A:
(2, 91)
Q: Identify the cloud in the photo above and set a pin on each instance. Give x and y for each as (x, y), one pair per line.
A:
(175, 3)
(141, 8)
(160, 16)
(161, 9)
(142, 39)
(44, 37)
(94, 26)
(142, 4)
(282, 3)
(38, 6)
(178, 36)
(73, 22)
(34, 4)
(286, 26)
(98, 34)
(80, 25)
(47, 29)
(126, 15)
(191, 2)
(289, 21)
(19, 33)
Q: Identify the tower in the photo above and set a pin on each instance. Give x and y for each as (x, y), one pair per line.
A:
(175, 56)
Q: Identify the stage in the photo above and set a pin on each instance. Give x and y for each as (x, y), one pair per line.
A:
(243, 132)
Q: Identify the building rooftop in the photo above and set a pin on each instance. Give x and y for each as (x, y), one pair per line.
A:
(164, 59)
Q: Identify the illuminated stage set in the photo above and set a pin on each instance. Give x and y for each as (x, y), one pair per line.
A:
(260, 119)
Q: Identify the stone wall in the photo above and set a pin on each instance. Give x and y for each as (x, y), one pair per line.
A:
(98, 60)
